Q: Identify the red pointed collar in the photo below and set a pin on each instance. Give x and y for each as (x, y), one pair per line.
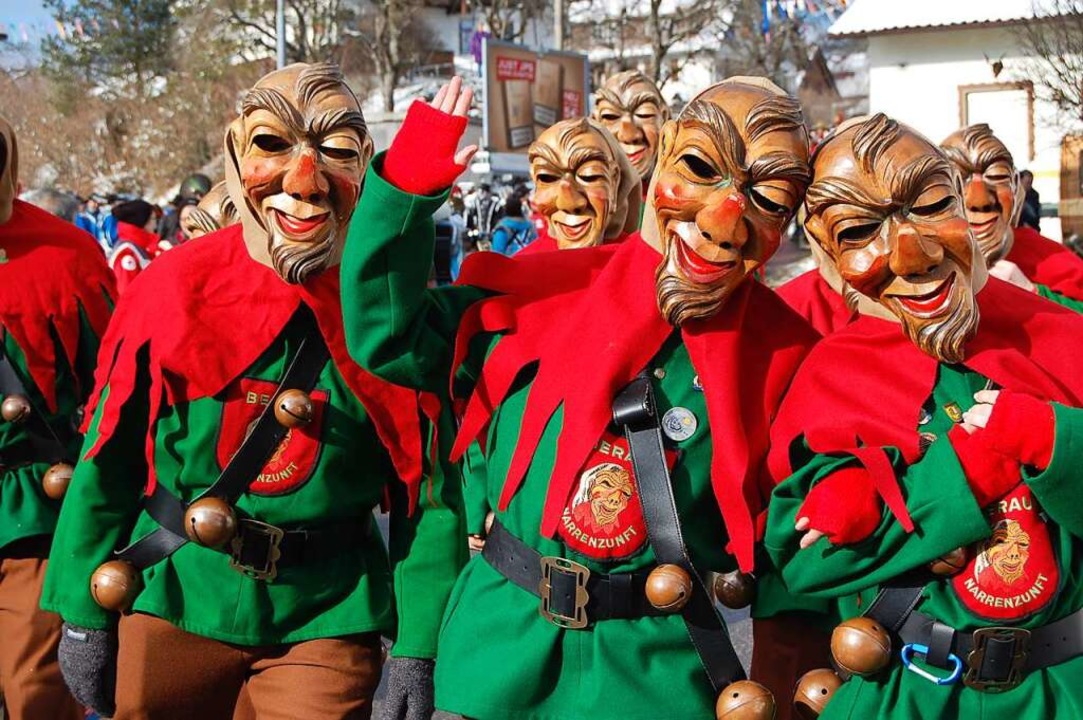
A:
(598, 306)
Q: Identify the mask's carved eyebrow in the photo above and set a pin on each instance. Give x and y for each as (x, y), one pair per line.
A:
(342, 118)
(829, 191)
(546, 154)
(780, 165)
(908, 182)
(275, 103)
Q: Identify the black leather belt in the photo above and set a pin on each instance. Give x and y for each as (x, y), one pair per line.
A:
(572, 596)
(996, 658)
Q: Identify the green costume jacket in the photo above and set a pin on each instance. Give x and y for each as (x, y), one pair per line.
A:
(498, 657)
(1026, 555)
(55, 301)
(330, 474)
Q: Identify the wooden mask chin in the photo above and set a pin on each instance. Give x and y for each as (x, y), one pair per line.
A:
(295, 160)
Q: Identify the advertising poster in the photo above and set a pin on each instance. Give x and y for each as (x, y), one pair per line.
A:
(525, 93)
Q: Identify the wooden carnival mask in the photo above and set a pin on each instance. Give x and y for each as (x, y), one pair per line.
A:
(885, 206)
(731, 170)
(583, 184)
(295, 159)
(9, 170)
(992, 194)
(631, 107)
(214, 212)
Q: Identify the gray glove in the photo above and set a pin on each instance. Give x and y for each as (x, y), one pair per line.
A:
(88, 662)
(409, 689)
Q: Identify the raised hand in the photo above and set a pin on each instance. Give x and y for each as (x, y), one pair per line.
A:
(423, 159)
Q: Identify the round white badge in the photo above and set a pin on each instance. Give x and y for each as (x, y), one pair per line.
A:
(679, 424)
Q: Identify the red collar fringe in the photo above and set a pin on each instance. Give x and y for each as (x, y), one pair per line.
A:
(205, 312)
(52, 271)
(1047, 262)
(590, 321)
(862, 388)
(813, 299)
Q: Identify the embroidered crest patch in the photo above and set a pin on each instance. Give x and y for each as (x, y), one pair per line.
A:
(1013, 573)
(603, 518)
(292, 462)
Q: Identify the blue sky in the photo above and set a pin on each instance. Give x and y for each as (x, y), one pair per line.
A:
(27, 17)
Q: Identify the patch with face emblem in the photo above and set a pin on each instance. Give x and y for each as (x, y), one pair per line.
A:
(603, 518)
(292, 462)
(1013, 573)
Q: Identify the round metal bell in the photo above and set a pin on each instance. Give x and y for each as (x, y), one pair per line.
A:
(668, 588)
(56, 480)
(950, 564)
(15, 408)
(115, 584)
(210, 522)
(861, 646)
(745, 700)
(735, 589)
(814, 690)
(293, 408)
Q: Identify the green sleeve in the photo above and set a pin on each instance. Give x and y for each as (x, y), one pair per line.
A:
(396, 327)
(1058, 486)
(428, 549)
(1059, 299)
(475, 489)
(940, 502)
(98, 513)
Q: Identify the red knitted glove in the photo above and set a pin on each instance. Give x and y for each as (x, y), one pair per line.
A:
(421, 159)
(844, 506)
(1022, 427)
(991, 475)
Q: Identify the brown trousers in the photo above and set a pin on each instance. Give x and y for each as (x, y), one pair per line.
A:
(30, 679)
(164, 673)
(784, 648)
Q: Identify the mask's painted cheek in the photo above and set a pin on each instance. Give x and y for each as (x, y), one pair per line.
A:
(260, 173)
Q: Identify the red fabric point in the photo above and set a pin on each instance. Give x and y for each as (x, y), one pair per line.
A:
(596, 307)
(51, 272)
(1023, 428)
(205, 312)
(813, 299)
(862, 388)
(1047, 262)
(989, 474)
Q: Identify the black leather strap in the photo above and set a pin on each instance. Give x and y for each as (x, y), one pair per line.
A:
(894, 603)
(168, 510)
(46, 444)
(635, 410)
(615, 595)
(1049, 645)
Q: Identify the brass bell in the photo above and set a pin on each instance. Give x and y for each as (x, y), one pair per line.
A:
(814, 690)
(861, 646)
(56, 479)
(293, 408)
(668, 588)
(745, 700)
(210, 522)
(950, 564)
(15, 408)
(115, 584)
(735, 589)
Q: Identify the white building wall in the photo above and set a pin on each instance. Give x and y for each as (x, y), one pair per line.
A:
(915, 78)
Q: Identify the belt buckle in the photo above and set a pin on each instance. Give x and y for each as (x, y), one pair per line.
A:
(1020, 654)
(551, 565)
(267, 570)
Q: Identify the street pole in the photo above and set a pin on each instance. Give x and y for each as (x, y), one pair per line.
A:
(558, 24)
(280, 30)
